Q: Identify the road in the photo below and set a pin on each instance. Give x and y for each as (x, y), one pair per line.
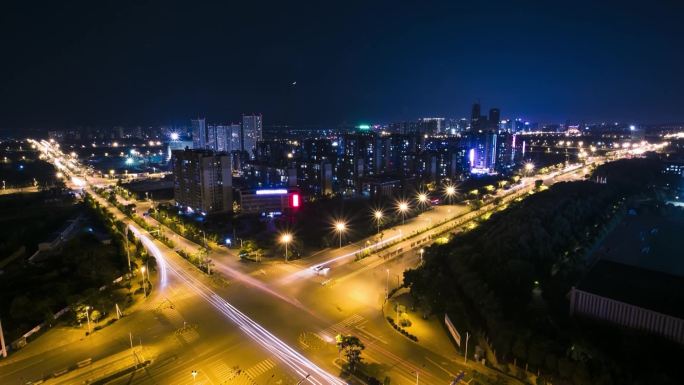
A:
(302, 308)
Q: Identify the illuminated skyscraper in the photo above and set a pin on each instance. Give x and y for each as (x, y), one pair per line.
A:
(252, 128)
(199, 133)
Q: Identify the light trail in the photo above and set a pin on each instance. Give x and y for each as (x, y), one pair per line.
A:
(294, 360)
(308, 271)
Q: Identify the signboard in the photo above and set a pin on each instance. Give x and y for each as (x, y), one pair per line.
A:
(452, 330)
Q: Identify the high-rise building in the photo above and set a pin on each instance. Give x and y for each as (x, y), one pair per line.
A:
(252, 129)
(432, 125)
(475, 117)
(199, 133)
(219, 137)
(494, 118)
(202, 181)
(235, 137)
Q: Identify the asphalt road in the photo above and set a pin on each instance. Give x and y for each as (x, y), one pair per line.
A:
(290, 301)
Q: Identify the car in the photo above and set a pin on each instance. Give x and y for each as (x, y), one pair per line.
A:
(321, 270)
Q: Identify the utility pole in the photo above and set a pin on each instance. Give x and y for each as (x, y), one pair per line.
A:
(2, 342)
(465, 357)
(87, 309)
(387, 285)
(128, 252)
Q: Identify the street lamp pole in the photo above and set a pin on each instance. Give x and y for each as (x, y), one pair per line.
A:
(286, 239)
(378, 218)
(142, 270)
(128, 252)
(387, 285)
(87, 309)
(340, 226)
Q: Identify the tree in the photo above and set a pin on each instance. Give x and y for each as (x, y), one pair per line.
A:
(351, 347)
(95, 315)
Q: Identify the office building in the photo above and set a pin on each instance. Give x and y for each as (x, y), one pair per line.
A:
(202, 181)
(268, 202)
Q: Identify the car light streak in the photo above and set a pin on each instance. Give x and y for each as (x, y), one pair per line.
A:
(294, 360)
(309, 270)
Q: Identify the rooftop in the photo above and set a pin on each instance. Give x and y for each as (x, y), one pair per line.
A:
(641, 287)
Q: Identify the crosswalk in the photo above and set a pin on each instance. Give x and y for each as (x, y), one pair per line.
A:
(260, 368)
(342, 326)
(235, 376)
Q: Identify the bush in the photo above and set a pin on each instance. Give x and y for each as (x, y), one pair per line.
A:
(401, 330)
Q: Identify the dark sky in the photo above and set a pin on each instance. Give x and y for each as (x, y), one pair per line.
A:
(156, 62)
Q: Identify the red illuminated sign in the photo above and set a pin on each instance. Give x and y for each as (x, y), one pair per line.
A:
(295, 200)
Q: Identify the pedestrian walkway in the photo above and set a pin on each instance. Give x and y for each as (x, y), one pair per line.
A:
(260, 368)
(329, 333)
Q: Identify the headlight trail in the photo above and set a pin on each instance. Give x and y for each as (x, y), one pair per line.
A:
(307, 271)
(294, 360)
(154, 250)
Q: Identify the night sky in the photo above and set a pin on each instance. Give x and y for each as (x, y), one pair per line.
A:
(147, 62)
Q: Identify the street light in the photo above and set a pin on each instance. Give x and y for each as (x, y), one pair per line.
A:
(387, 285)
(87, 311)
(402, 207)
(340, 227)
(421, 251)
(286, 239)
(378, 218)
(529, 166)
(142, 270)
(194, 375)
(450, 191)
(422, 197)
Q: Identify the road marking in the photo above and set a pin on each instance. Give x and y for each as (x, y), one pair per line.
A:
(439, 366)
(366, 332)
(341, 326)
(260, 368)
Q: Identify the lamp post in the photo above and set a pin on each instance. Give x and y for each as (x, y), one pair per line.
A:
(422, 199)
(378, 218)
(87, 311)
(286, 239)
(450, 191)
(403, 208)
(387, 285)
(194, 375)
(340, 227)
(529, 167)
(142, 270)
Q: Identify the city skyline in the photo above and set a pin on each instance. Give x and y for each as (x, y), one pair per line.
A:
(82, 64)
(342, 193)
